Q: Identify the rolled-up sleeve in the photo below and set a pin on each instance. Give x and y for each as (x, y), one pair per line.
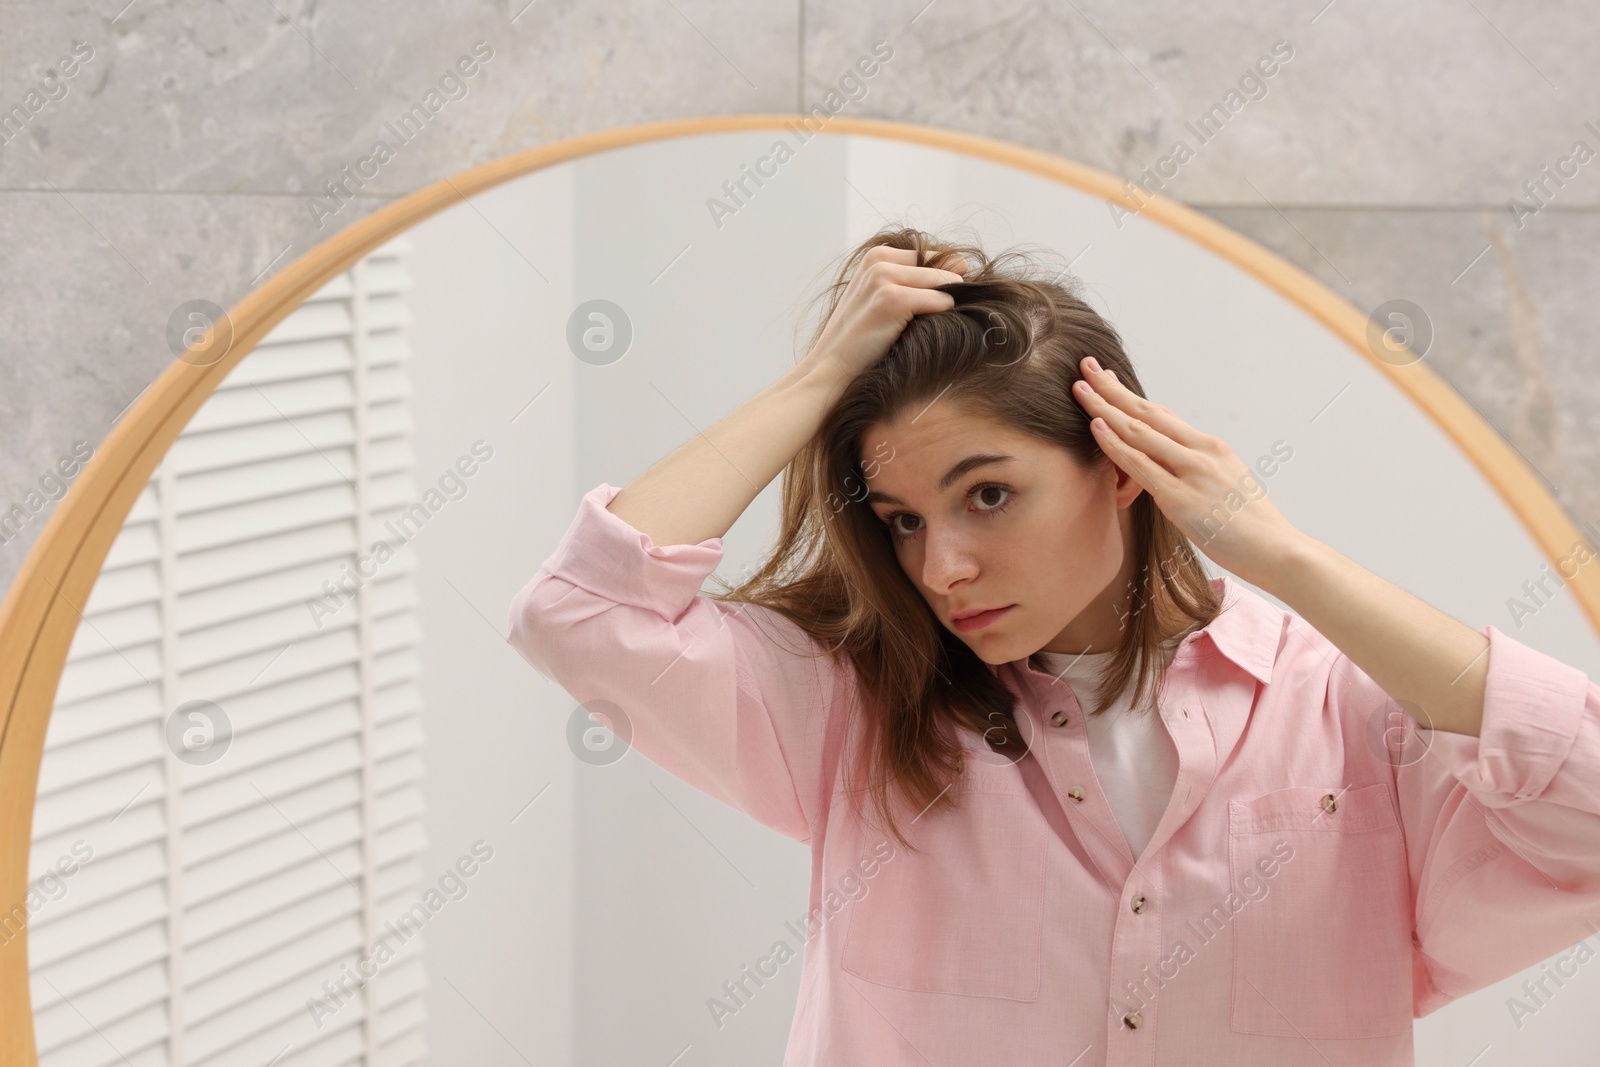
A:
(1503, 829)
(731, 698)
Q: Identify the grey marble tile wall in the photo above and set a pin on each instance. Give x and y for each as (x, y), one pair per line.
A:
(166, 152)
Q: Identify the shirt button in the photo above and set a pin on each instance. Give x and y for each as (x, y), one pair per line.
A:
(1076, 792)
(1138, 903)
(1330, 802)
(1059, 718)
(1132, 1020)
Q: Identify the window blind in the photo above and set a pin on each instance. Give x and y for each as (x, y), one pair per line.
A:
(186, 909)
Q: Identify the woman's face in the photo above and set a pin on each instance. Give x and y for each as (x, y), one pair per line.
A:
(1032, 532)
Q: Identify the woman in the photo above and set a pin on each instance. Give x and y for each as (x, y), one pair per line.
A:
(986, 544)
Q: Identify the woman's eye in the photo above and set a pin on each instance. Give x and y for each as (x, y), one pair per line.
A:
(993, 489)
(979, 496)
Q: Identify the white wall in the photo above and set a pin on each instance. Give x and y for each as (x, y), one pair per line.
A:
(500, 960)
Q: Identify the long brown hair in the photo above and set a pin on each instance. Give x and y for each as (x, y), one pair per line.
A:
(1008, 350)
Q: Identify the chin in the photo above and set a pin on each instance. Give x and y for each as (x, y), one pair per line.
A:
(997, 653)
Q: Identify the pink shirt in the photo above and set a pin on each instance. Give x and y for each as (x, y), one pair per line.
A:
(1134, 759)
(1303, 898)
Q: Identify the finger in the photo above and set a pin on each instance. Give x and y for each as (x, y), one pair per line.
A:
(1105, 382)
(919, 277)
(888, 254)
(1140, 467)
(1177, 459)
(936, 257)
(928, 301)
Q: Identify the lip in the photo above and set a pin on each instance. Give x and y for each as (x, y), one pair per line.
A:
(969, 623)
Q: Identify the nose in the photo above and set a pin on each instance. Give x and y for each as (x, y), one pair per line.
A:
(948, 560)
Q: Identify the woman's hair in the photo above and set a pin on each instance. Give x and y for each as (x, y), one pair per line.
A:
(1008, 350)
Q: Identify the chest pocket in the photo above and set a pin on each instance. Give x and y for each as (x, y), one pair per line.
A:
(965, 913)
(1322, 945)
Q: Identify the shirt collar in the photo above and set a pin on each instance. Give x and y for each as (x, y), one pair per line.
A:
(1247, 630)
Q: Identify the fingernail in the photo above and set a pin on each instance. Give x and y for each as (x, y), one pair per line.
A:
(1094, 364)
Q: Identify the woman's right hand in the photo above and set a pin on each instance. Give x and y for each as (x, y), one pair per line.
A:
(878, 301)
(687, 497)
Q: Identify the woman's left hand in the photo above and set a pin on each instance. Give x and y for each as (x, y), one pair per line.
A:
(1195, 479)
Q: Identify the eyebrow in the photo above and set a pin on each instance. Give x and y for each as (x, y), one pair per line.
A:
(951, 476)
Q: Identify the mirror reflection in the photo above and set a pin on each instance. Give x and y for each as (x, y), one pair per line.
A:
(462, 688)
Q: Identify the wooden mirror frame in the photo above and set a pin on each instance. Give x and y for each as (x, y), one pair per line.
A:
(41, 611)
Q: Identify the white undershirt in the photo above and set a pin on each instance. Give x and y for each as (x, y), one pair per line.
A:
(1133, 754)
